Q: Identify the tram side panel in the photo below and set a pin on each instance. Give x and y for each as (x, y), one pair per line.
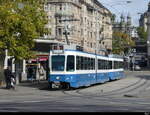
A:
(83, 73)
(104, 67)
(88, 78)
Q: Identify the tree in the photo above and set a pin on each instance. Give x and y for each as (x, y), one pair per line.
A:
(142, 33)
(21, 21)
(122, 43)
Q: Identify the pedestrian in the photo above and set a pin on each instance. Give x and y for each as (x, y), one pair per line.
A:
(131, 66)
(13, 81)
(41, 72)
(30, 72)
(7, 74)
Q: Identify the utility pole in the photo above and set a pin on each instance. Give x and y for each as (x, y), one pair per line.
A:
(66, 30)
(148, 38)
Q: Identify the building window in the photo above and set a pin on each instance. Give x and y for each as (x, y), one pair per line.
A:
(91, 45)
(60, 7)
(59, 31)
(81, 32)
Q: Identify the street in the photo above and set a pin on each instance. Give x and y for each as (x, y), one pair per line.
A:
(130, 94)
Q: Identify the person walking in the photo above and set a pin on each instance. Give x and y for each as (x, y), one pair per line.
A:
(7, 74)
(30, 73)
(13, 81)
(41, 73)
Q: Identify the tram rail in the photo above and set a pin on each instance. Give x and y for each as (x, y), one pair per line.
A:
(140, 85)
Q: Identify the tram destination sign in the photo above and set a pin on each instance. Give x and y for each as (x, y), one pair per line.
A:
(57, 51)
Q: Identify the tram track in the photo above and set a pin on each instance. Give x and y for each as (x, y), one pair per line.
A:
(117, 90)
(114, 96)
(137, 87)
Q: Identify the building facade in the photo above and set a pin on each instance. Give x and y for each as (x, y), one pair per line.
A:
(124, 25)
(148, 38)
(143, 20)
(88, 23)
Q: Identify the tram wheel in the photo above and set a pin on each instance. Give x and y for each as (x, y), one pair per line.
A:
(63, 85)
(67, 86)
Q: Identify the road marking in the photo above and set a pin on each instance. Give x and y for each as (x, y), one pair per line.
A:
(2, 101)
(31, 101)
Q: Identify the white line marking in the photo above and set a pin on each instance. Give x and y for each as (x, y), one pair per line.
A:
(31, 101)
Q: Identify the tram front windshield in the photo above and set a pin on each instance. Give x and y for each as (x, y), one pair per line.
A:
(58, 63)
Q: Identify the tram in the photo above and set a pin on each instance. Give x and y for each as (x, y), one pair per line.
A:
(73, 69)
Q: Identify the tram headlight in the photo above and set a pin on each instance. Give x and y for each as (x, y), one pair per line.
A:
(57, 77)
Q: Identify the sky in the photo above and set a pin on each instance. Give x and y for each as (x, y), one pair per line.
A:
(119, 7)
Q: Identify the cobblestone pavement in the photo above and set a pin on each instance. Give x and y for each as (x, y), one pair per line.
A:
(131, 93)
(131, 81)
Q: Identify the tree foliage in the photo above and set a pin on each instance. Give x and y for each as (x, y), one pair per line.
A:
(21, 21)
(142, 33)
(122, 43)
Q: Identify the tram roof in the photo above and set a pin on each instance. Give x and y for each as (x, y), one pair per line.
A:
(83, 52)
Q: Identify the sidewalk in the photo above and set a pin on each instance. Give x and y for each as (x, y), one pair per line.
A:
(26, 88)
(34, 90)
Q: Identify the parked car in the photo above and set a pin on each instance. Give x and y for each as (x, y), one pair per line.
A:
(137, 67)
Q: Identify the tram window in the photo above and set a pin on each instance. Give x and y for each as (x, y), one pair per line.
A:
(115, 65)
(78, 63)
(110, 65)
(70, 63)
(93, 63)
(89, 64)
(85, 63)
(105, 64)
(121, 64)
(118, 65)
(82, 63)
(100, 64)
(58, 63)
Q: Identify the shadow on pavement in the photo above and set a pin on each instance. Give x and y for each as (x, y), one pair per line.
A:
(147, 77)
(42, 85)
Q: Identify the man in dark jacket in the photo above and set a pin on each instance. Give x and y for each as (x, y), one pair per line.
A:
(7, 73)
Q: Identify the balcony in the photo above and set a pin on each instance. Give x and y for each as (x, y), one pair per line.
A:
(65, 1)
(64, 14)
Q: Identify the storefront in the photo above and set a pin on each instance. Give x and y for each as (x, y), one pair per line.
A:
(37, 69)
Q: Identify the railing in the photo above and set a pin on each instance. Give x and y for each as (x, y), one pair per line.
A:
(65, 1)
(62, 13)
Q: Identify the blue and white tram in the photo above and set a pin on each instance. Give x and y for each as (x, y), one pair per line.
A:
(76, 68)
